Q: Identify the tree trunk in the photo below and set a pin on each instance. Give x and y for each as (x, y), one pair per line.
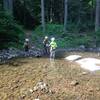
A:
(51, 14)
(8, 5)
(97, 15)
(42, 16)
(1, 5)
(65, 16)
(24, 19)
(92, 12)
(61, 13)
(79, 12)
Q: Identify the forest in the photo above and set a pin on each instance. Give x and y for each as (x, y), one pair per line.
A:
(72, 22)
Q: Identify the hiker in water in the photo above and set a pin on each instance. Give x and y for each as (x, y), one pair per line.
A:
(26, 45)
(53, 47)
(46, 45)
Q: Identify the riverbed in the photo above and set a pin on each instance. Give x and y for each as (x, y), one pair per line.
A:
(66, 80)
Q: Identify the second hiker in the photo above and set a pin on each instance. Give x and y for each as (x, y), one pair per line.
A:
(46, 45)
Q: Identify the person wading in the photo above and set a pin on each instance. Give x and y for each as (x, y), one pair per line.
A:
(26, 45)
(46, 45)
(53, 46)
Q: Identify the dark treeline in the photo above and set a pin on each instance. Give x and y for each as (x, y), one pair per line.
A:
(80, 15)
(80, 12)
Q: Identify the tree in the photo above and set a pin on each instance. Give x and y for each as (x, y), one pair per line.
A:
(8, 5)
(42, 16)
(65, 15)
(97, 15)
(1, 5)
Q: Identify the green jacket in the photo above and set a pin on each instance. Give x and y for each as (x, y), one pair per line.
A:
(53, 45)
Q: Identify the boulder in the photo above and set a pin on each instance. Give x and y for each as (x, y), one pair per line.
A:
(61, 53)
(73, 57)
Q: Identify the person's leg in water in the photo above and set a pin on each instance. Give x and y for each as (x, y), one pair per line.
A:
(26, 49)
(45, 49)
(48, 50)
(52, 54)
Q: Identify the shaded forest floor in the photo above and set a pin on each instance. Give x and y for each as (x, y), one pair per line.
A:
(66, 80)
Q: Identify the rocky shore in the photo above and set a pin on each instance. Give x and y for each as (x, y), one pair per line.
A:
(7, 54)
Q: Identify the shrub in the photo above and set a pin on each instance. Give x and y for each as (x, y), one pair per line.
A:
(71, 39)
(51, 29)
(10, 32)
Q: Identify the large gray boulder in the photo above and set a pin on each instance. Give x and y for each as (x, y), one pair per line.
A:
(61, 53)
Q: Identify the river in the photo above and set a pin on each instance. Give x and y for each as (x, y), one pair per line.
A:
(18, 76)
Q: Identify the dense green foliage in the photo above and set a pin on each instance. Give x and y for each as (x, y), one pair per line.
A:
(10, 32)
(88, 39)
(80, 13)
(80, 24)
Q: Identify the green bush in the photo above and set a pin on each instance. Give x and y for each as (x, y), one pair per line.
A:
(70, 39)
(10, 32)
(51, 29)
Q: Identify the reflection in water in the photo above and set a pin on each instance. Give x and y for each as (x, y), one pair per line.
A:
(52, 63)
(53, 66)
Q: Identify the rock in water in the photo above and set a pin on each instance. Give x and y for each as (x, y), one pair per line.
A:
(74, 83)
(37, 99)
(83, 73)
(35, 88)
(73, 57)
(23, 96)
(61, 53)
(31, 90)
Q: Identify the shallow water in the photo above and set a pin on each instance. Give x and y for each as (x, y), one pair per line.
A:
(20, 75)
